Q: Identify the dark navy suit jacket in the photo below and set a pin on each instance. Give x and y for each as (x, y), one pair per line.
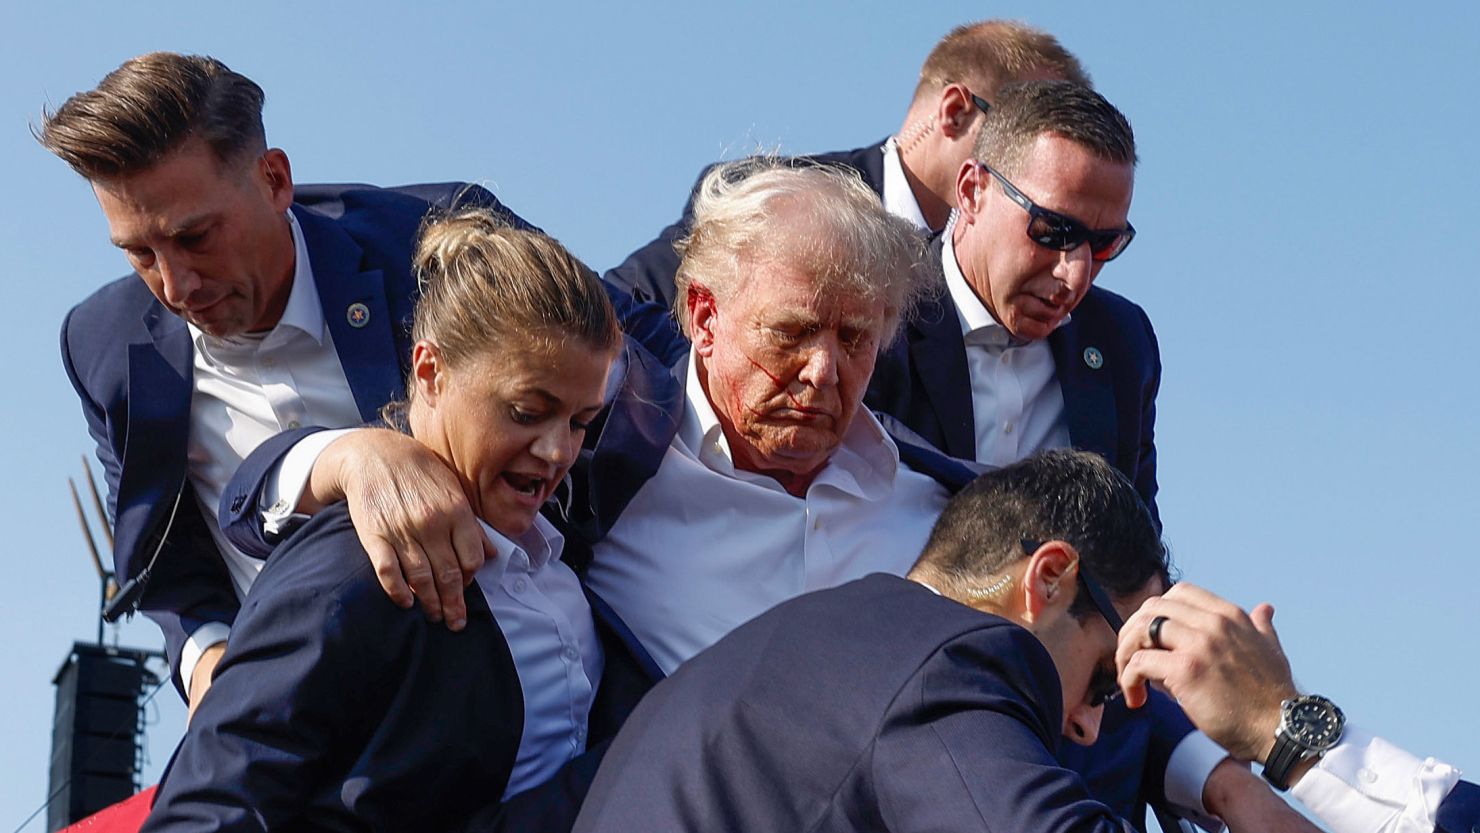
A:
(1109, 395)
(876, 705)
(1460, 810)
(130, 361)
(648, 272)
(333, 709)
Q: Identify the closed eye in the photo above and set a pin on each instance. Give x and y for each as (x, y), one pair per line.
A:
(139, 256)
(523, 417)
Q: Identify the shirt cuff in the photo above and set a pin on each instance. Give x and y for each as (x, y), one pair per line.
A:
(211, 633)
(1367, 785)
(1188, 769)
(287, 479)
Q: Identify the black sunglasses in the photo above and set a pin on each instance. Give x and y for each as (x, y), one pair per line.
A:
(1056, 231)
(981, 103)
(1103, 685)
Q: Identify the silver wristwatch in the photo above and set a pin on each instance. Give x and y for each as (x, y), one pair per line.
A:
(1309, 726)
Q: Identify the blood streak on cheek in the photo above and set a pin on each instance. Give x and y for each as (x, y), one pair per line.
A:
(775, 380)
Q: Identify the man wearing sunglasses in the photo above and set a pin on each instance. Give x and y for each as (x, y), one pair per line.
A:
(826, 714)
(1019, 351)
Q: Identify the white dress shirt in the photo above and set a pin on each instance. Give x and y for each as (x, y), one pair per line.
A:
(1016, 402)
(899, 198)
(546, 621)
(1366, 785)
(248, 388)
(704, 547)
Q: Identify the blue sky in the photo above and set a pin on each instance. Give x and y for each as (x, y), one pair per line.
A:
(1306, 250)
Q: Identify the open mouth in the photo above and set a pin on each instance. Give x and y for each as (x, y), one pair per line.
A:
(525, 484)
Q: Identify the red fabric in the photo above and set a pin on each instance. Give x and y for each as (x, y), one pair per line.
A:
(126, 816)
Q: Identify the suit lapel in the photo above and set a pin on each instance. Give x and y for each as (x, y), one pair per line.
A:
(1089, 393)
(634, 436)
(356, 311)
(608, 618)
(938, 355)
(160, 374)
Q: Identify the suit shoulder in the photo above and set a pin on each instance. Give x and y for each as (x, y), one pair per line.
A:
(359, 204)
(95, 331)
(1122, 310)
(323, 558)
(854, 158)
(124, 299)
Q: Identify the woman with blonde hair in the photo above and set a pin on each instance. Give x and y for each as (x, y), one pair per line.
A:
(334, 709)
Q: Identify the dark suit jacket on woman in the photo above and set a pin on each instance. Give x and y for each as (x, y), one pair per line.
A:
(333, 709)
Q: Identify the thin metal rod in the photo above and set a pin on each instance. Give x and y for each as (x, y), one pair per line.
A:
(92, 484)
(92, 546)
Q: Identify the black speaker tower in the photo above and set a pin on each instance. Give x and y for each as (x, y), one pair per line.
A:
(98, 730)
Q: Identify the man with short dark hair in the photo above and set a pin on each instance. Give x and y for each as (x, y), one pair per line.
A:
(914, 171)
(1019, 352)
(261, 308)
(825, 714)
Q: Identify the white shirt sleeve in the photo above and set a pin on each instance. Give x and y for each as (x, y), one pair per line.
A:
(287, 479)
(1188, 769)
(196, 644)
(1367, 785)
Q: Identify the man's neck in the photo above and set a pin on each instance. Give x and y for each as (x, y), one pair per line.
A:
(285, 265)
(916, 165)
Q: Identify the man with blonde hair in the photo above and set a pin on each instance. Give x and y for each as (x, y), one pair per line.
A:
(913, 172)
(749, 474)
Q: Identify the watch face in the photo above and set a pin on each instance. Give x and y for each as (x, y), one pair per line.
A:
(1314, 724)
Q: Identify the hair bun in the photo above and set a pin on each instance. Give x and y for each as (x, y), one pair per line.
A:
(446, 238)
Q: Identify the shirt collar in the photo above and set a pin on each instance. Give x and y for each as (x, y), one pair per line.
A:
(867, 459)
(899, 198)
(303, 313)
(977, 324)
(540, 544)
(700, 430)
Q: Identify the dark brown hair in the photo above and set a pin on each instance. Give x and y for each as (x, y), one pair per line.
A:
(150, 106)
(1023, 112)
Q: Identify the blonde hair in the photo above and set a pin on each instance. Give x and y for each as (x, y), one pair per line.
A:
(819, 219)
(485, 284)
(990, 53)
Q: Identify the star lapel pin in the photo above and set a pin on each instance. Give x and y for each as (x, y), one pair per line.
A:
(359, 315)
(1094, 358)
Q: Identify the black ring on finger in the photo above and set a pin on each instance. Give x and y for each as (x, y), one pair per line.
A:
(1154, 631)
